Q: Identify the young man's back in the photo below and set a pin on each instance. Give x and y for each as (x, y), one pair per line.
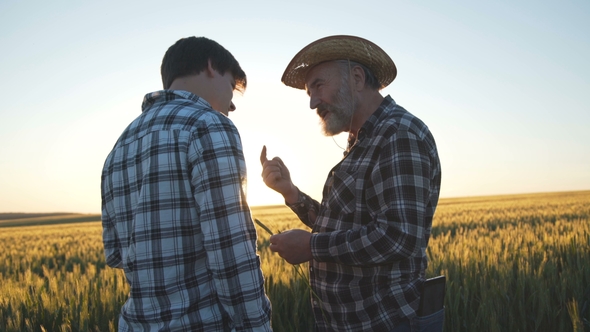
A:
(176, 221)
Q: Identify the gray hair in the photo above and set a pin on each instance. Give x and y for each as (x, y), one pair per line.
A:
(370, 79)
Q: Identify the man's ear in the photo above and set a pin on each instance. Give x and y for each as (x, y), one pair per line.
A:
(358, 78)
(210, 71)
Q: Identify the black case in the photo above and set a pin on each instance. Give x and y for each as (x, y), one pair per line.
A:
(432, 298)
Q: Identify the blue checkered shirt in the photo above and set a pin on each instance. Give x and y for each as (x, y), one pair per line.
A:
(373, 225)
(175, 219)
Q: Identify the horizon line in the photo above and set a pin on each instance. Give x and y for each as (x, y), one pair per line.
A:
(278, 205)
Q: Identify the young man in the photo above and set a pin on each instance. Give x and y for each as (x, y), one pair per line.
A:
(174, 210)
(367, 248)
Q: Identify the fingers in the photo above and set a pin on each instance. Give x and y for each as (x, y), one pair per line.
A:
(280, 161)
(263, 159)
(274, 172)
(273, 243)
(271, 169)
(292, 245)
(263, 155)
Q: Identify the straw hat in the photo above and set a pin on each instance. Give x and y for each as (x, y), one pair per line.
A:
(340, 48)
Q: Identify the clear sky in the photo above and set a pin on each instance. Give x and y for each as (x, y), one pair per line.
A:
(503, 85)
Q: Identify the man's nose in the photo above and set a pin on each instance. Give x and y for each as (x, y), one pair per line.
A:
(232, 107)
(314, 101)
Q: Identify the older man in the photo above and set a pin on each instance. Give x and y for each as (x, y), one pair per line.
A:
(367, 248)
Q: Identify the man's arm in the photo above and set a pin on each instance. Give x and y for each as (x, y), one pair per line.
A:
(218, 176)
(306, 208)
(110, 239)
(276, 176)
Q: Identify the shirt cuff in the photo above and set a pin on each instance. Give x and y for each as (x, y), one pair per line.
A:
(319, 244)
(300, 201)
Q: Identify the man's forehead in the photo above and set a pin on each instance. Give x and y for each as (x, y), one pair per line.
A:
(322, 71)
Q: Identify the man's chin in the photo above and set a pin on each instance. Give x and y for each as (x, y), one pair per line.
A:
(330, 131)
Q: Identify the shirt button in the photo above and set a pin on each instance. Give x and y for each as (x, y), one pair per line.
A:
(315, 302)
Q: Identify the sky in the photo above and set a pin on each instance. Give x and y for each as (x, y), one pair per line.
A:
(504, 86)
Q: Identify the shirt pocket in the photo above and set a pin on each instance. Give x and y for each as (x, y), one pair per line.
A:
(342, 193)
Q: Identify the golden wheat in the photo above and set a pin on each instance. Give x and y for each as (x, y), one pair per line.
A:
(513, 263)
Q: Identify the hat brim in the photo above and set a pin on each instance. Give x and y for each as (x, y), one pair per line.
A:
(340, 47)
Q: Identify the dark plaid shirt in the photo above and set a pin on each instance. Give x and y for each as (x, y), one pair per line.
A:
(175, 219)
(373, 225)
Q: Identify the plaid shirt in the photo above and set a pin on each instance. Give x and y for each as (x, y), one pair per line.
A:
(373, 225)
(175, 219)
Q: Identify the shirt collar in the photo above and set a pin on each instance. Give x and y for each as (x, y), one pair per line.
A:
(377, 116)
(166, 95)
(369, 125)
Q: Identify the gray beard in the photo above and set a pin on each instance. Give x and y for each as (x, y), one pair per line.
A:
(341, 111)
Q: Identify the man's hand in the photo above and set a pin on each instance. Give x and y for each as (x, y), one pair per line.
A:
(277, 177)
(293, 245)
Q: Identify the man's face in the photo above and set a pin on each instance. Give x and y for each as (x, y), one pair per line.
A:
(330, 94)
(224, 86)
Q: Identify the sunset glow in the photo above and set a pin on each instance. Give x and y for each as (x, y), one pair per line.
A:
(503, 86)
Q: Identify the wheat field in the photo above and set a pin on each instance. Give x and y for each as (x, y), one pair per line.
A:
(513, 263)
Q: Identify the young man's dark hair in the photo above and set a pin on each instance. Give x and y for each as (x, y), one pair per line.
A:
(189, 56)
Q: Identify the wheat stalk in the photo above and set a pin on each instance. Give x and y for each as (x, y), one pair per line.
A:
(297, 270)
